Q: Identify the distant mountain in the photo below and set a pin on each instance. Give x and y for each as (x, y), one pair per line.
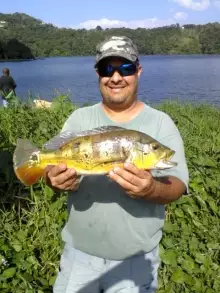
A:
(19, 18)
(44, 39)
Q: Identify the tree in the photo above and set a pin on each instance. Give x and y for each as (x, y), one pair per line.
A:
(1, 51)
(14, 49)
(99, 28)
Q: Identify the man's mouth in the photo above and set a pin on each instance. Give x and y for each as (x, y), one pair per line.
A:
(116, 89)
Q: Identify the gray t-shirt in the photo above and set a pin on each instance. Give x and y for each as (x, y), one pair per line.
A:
(103, 220)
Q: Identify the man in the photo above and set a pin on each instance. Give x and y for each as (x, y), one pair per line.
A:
(115, 222)
(7, 86)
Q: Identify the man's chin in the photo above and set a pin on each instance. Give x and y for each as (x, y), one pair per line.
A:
(117, 100)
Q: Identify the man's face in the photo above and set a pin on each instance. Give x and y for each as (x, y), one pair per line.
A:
(119, 89)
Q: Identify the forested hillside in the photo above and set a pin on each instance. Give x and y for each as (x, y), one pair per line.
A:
(13, 49)
(49, 40)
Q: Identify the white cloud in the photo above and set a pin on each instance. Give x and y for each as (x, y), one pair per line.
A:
(216, 3)
(194, 5)
(108, 23)
(180, 16)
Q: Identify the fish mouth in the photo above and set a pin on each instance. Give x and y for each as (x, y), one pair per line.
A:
(165, 165)
(165, 162)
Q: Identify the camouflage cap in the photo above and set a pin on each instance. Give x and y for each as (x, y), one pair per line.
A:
(118, 46)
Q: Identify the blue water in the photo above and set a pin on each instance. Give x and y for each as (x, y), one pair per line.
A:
(188, 78)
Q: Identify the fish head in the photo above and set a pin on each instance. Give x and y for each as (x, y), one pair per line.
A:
(164, 156)
(154, 156)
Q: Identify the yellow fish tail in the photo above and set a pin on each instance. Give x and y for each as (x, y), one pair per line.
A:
(26, 162)
(29, 175)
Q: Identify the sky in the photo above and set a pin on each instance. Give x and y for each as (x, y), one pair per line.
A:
(116, 13)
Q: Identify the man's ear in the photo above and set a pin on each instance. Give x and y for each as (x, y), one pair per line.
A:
(140, 69)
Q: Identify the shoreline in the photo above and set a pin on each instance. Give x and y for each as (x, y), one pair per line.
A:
(21, 60)
(141, 55)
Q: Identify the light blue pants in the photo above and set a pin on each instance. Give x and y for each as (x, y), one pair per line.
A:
(82, 273)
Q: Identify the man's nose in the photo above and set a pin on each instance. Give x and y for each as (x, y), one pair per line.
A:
(116, 77)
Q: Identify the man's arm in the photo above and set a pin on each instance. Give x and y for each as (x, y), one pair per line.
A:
(171, 183)
(165, 190)
(14, 85)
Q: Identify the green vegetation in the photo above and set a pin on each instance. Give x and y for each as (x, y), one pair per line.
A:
(32, 218)
(14, 50)
(48, 40)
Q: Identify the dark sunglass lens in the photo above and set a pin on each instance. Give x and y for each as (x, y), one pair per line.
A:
(101, 71)
(105, 71)
(127, 69)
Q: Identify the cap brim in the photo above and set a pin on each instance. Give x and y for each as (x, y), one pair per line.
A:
(116, 54)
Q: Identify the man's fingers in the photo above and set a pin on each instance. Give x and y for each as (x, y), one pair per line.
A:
(63, 177)
(138, 172)
(70, 184)
(134, 182)
(48, 168)
(121, 181)
(57, 170)
(129, 177)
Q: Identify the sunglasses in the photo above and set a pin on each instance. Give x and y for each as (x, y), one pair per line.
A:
(123, 70)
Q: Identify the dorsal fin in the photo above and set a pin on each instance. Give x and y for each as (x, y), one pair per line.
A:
(64, 137)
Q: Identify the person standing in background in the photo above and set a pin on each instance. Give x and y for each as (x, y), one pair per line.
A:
(7, 86)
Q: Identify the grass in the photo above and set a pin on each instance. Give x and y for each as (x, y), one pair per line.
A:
(32, 218)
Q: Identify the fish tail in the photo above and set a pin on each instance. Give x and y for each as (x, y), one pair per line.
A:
(26, 162)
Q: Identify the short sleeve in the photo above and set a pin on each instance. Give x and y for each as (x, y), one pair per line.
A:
(169, 135)
(73, 122)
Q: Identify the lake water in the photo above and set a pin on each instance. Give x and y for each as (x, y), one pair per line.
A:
(188, 78)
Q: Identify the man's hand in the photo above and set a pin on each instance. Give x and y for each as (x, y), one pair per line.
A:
(137, 183)
(140, 184)
(62, 178)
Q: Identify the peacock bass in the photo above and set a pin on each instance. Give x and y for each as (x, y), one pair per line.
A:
(92, 152)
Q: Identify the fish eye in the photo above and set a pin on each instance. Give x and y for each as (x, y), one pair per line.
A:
(155, 147)
(76, 145)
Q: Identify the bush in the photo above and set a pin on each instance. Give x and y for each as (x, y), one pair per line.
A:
(32, 217)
